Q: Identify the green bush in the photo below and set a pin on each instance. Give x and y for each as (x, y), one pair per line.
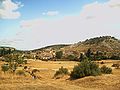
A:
(85, 68)
(71, 57)
(59, 54)
(5, 67)
(82, 57)
(61, 71)
(13, 67)
(106, 70)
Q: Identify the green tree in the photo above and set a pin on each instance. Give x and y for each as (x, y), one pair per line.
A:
(3, 51)
(13, 67)
(13, 61)
(20, 60)
(85, 68)
(59, 54)
(88, 53)
(82, 57)
(9, 51)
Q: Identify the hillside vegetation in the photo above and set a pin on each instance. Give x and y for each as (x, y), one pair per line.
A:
(105, 43)
(53, 47)
(105, 47)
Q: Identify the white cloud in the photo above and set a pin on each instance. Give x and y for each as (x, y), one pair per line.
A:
(8, 9)
(95, 19)
(50, 13)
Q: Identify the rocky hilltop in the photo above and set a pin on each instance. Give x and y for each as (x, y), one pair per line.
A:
(104, 43)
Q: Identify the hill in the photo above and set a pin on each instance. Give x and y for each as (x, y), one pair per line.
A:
(106, 44)
(109, 46)
(52, 47)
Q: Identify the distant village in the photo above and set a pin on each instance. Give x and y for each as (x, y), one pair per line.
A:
(49, 53)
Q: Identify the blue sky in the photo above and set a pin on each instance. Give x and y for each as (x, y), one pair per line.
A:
(29, 24)
(33, 9)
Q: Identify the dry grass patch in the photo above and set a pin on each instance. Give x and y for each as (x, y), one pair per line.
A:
(46, 82)
(104, 82)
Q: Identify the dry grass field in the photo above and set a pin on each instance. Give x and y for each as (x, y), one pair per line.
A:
(46, 82)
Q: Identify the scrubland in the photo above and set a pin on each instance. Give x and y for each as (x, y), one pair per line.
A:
(45, 80)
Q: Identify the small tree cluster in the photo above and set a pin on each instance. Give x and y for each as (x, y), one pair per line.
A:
(6, 50)
(90, 55)
(115, 57)
(13, 61)
(88, 68)
(19, 59)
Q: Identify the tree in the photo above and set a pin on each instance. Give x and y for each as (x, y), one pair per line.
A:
(82, 57)
(3, 51)
(59, 54)
(13, 67)
(9, 51)
(88, 53)
(8, 58)
(14, 60)
(85, 68)
(115, 57)
(100, 55)
(5, 67)
(20, 60)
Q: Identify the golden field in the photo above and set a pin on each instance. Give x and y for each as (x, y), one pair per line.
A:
(46, 81)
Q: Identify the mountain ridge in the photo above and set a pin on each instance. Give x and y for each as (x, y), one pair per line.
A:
(102, 43)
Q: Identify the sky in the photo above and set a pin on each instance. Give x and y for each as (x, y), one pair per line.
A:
(31, 24)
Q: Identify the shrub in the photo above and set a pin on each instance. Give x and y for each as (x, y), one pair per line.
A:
(19, 60)
(5, 67)
(102, 62)
(82, 57)
(61, 71)
(13, 67)
(59, 54)
(106, 70)
(71, 57)
(115, 57)
(117, 66)
(85, 68)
